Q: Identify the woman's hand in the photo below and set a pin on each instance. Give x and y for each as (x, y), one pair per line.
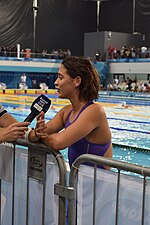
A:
(40, 129)
(13, 132)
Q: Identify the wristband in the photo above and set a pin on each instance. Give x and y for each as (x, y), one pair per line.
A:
(27, 132)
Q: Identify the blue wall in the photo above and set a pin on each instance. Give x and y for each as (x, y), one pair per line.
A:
(12, 79)
(11, 71)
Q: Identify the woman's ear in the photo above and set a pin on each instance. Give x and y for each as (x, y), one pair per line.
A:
(77, 81)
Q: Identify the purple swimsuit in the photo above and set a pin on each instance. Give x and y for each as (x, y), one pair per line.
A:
(83, 146)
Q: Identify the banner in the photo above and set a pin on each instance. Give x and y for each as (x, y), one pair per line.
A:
(130, 198)
(6, 161)
(103, 71)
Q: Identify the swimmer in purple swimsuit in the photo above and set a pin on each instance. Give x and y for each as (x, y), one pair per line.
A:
(83, 146)
(81, 126)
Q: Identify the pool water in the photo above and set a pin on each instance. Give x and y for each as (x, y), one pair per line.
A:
(132, 156)
(134, 131)
(130, 126)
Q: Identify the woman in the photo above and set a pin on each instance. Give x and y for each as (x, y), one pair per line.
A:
(81, 126)
(10, 129)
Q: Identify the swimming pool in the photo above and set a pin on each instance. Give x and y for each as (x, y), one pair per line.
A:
(129, 127)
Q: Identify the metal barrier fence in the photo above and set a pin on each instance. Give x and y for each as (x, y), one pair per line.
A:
(28, 176)
(34, 189)
(108, 197)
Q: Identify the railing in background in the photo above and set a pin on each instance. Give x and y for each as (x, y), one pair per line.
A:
(28, 54)
(27, 184)
(107, 197)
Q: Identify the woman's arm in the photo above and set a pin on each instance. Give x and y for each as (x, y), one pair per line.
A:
(87, 125)
(53, 126)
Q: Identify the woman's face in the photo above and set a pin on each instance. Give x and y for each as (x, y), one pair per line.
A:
(65, 85)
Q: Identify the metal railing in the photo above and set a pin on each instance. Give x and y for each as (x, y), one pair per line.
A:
(37, 159)
(120, 166)
(36, 171)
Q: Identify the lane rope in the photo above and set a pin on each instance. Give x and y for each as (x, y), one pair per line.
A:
(131, 147)
(137, 131)
(130, 121)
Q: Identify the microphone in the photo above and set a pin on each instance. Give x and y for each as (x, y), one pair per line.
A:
(41, 103)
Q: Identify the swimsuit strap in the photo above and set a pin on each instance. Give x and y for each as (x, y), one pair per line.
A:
(68, 118)
(84, 107)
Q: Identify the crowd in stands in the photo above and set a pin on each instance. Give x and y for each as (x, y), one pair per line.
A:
(128, 52)
(129, 85)
(113, 53)
(54, 54)
(123, 53)
(8, 51)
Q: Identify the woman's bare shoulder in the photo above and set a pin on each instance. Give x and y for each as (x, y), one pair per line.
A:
(65, 110)
(96, 107)
(95, 112)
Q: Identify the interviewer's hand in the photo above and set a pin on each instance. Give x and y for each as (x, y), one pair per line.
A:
(13, 131)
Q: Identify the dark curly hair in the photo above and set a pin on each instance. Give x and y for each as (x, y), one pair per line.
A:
(79, 66)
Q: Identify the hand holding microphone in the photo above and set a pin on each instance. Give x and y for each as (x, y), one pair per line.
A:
(41, 103)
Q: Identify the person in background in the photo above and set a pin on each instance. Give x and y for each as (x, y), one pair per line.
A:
(43, 86)
(34, 84)
(23, 78)
(81, 126)
(10, 129)
(124, 105)
(22, 84)
(68, 52)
